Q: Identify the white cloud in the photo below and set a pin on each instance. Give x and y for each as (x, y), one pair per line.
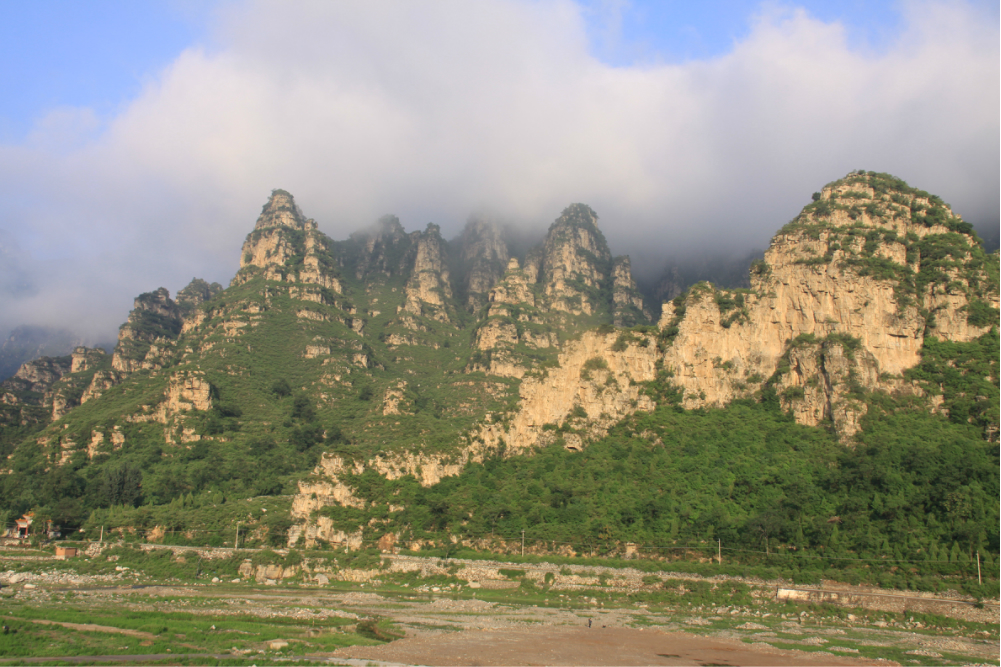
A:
(432, 110)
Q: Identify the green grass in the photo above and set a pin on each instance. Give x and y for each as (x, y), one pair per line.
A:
(178, 632)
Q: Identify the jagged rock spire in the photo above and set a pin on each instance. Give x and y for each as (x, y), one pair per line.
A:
(483, 255)
(282, 211)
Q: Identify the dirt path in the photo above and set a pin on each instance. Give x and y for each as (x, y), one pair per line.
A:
(585, 646)
(86, 627)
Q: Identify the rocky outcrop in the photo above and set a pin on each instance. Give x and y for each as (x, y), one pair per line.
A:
(837, 309)
(38, 375)
(286, 246)
(826, 382)
(29, 342)
(627, 302)
(196, 293)
(483, 256)
(327, 487)
(576, 262)
(143, 341)
(384, 249)
(428, 289)
(282, 211)
(836, 306)
(512, 319)
(86, 358)
(394, 396)
(56, 384)
(100, 383)
(598, 381)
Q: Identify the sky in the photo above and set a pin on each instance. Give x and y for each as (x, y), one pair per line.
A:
(138, 141)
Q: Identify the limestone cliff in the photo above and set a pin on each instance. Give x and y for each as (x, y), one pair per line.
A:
(576, 262)
(196, 293)
(513, 319)
(864, 264)
(597, 381)
(428, 290)
(840, 306)
(53, 385)
(483, 256)
(39, 375)
(627, 302)
(566, 285)
(402, 354)
(145, 339)
(384, 249)
(29, 342)
(77, 386)
(286, 246)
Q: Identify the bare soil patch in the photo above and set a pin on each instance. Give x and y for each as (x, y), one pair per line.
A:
(548, 645)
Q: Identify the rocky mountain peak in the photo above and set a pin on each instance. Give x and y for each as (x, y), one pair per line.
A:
(429, 280)
(28, 342)
(627, 302)
(286, 247)
(157, 302)
(576, 260)
(154, 321)
(197, 292)
(382, 248)
(282, 211)
(483, 255)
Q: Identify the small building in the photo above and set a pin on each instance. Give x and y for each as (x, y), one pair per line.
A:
(62, 553)
(23, 525)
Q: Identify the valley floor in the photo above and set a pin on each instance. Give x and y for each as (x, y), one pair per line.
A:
(72, 612)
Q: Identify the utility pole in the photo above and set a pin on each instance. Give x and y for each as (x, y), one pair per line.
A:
(719, 551)
(102, 535)
(523, 542)
(237, 543)
(979, 580)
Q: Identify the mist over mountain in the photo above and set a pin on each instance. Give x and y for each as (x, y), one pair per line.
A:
(364, 109)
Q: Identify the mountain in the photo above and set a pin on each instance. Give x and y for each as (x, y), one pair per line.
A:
(333, 370)
(29, 342)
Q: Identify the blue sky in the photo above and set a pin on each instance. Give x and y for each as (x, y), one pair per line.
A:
(92, 54)
(98, 54)
(138, 139)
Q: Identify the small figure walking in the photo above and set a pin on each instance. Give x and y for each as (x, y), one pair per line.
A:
(588, 622)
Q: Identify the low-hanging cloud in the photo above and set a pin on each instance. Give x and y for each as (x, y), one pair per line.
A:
(433, 110)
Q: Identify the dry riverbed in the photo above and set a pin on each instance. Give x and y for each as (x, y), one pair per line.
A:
(61, 612)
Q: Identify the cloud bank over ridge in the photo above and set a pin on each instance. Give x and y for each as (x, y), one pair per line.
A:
(431, 111)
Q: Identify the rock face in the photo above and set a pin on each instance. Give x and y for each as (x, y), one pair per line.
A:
(576, 261)
(483, 257)
(627, 302)
(55, 385)
(428, 289)
(840, 306)
(416, 356)
(382, 250)
(196, 293)
(570, 277)
(29, 342)
(153, 325)
(39, 375)
(848, 269)
(281, 234)
(328, 488)
(513, 319)
(595, 384)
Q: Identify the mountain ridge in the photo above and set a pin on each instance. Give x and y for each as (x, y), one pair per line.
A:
(408, 355)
